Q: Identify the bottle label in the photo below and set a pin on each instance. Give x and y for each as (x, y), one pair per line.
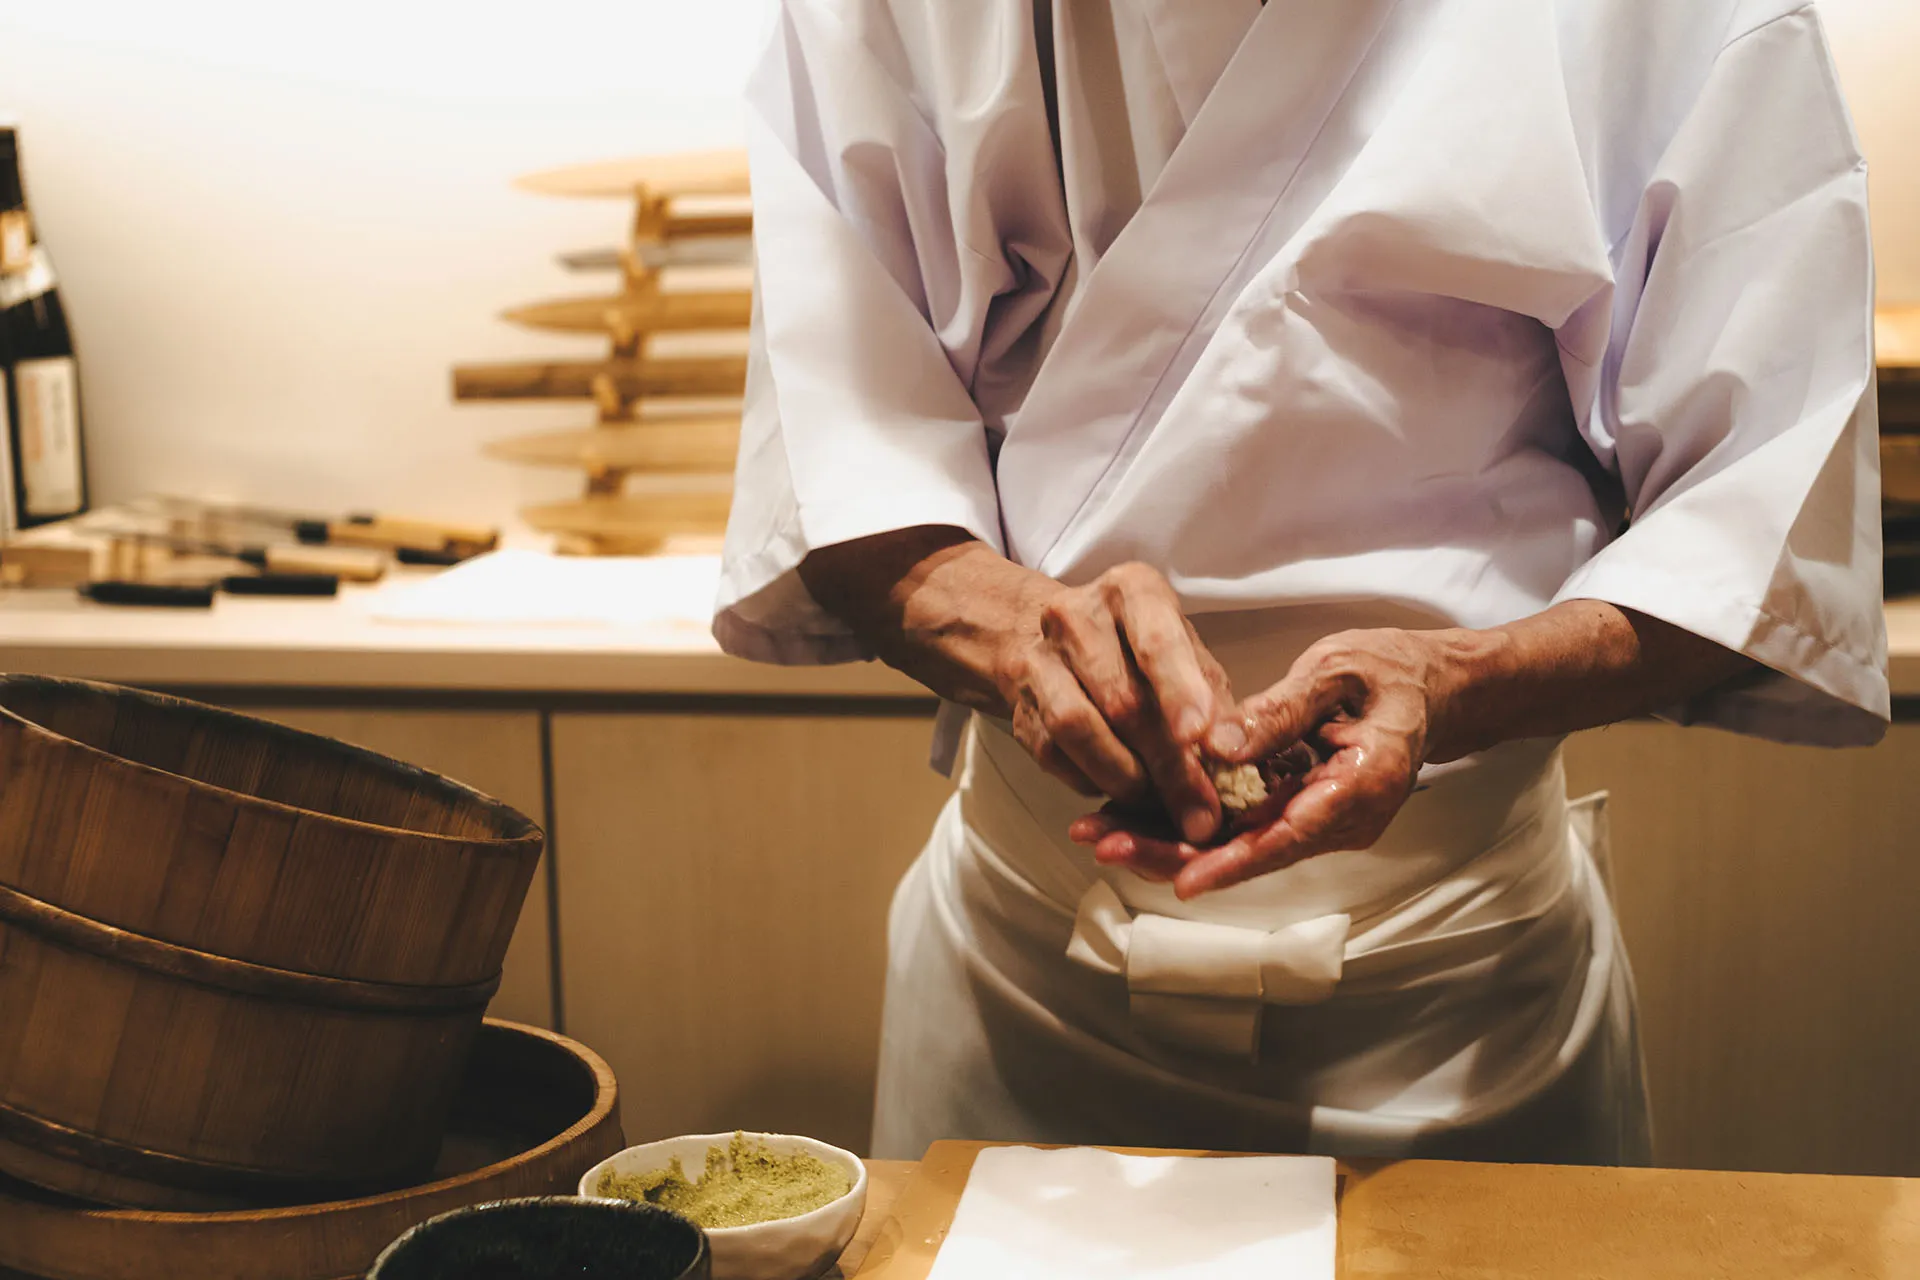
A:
(28, 283)
(16, 241)
(48, 393)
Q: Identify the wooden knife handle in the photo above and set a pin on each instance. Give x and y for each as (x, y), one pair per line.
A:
(349, 564)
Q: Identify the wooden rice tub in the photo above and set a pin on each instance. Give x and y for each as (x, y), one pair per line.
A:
(534, 1112)
(239, 964)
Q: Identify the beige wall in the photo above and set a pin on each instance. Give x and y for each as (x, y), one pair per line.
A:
(1877, 44)
(278, 225)
(278, 232)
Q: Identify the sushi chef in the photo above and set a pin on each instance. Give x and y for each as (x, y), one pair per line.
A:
(1168, 384)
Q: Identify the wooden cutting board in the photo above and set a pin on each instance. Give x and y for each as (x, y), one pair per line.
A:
(1438, 1220)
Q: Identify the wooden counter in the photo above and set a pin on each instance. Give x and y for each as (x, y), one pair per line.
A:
(344, 644)
(1765, 892)
(1444, 1221)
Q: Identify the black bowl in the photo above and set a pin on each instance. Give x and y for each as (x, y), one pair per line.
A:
(548, 1238)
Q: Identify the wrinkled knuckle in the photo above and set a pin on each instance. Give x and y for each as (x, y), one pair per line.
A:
(1129, 578)
(1345, 648)
(1123, 708)
(1059, 616)
(1069, 723)
(1013, 670)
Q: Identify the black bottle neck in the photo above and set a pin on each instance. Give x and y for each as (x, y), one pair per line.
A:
(12, 191)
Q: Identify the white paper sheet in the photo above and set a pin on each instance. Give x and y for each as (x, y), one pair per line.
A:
(532, 588)
(1086, 1214)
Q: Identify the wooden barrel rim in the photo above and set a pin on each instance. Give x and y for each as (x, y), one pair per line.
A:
(606, 1098)
(222, 973)
(521, 830)
(51, 1138)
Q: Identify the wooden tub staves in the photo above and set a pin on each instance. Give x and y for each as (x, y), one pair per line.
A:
(533, 1112)
(239, 964)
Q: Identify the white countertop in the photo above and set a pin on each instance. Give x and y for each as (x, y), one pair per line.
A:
(353, 642)
(356, 642)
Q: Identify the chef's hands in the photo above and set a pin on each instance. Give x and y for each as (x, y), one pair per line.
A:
(1106, 684)
(949, 610)
(1369, 702)
(1112, 692)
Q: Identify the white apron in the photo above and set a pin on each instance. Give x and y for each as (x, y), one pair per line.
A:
(1457, 991)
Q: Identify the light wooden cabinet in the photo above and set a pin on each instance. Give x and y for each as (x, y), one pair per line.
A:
(1770, 897)
(724, 882)
(724, 878)
(497, 752)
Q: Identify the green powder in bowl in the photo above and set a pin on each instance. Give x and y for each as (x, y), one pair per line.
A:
(746, 1183)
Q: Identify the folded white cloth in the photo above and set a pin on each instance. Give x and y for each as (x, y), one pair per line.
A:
(1086, 1214)
(1199, 985)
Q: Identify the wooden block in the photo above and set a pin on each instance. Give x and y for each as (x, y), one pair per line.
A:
(26, 564)
(1444, 1221)
(886, 1179)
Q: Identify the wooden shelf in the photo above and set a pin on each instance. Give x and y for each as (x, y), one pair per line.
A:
(659, 466)
(627, 314)
(637, 523)
(698, 444)
(642, 257)
(689, 173)
(628, 380)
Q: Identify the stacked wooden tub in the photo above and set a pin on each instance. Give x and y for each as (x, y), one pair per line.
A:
(239, 965)
(533, 1113)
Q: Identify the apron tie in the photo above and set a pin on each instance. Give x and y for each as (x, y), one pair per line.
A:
(1200, 986)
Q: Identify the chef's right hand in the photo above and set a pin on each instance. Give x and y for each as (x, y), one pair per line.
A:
(1112, 691)
(1107, 684)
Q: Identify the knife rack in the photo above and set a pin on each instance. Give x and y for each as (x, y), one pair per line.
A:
(658, 457)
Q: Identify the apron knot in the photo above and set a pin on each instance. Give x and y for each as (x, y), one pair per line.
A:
(1200, 986)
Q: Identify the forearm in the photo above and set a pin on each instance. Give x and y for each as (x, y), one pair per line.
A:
(1577, 665)
(933, 602)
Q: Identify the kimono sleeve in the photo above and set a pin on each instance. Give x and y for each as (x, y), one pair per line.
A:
(868, 306)
(1737, 400)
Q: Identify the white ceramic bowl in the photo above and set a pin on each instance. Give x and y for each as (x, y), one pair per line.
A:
(785, 1249)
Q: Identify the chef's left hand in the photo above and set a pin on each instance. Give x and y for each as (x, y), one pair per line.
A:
(1369, 701)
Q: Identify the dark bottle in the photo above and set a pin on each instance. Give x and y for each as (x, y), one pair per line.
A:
(44, 460)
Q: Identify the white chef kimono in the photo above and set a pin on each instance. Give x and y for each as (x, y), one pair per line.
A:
(1377, 312)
